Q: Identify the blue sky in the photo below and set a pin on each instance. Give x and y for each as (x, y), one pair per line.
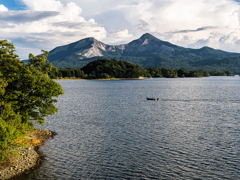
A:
(44, 24)
(13, 4)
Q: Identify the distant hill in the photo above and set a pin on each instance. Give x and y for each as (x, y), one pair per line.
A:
(147, 51)
(104, 68)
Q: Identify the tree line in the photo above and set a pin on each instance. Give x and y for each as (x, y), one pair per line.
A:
(27, 96)
(104, 68)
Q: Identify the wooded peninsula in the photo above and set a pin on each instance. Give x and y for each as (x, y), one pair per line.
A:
(104, 69)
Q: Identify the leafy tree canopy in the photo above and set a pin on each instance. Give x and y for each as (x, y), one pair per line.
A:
(9, 123)
(103, 68)
(26, 93)
(29, 89)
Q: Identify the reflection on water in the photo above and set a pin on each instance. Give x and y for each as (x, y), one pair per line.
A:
(108, 130)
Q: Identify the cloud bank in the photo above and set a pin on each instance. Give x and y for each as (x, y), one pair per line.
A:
(47, 23)
(17, 17)
(50, 23)
(188, 23)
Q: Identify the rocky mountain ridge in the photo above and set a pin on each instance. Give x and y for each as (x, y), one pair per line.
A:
(147, 51)
(91, 47)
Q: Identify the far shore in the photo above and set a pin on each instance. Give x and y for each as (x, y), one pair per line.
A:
(106, 79)
(140, 78)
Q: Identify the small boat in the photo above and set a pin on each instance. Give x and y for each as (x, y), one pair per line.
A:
(153, 99)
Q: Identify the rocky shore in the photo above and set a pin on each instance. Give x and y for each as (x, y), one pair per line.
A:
(29, 157)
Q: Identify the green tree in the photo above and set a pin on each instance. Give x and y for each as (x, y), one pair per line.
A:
(229, 73)
(60, 74)
(104, 75)
(9, 126)
(154, 72)
(41, 63)
(30, 91)
(183, 73)
(114, 68)
(79, 73)
(169, 73)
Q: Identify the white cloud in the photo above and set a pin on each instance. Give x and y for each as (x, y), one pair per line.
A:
(25, 16)
(188, 23)
(3, 8)
(182, 22)
(46, 25)
(97, 7)
(164, 16)
(120, 36)
(44, 5)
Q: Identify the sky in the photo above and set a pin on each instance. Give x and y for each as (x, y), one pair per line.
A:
(33, 25)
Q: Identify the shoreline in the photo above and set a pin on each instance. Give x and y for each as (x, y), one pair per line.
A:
(29, 156)
(106, 79)
(140, 78)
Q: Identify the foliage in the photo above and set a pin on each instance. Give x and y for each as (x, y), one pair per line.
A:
(26, 93)
(30, 90)
(104, 68)
(78, 73)
(164, 72)
(113, 68)
(225, 73)
(8, 136)
(9, 123)
(169, 73)
(155, 72)
(41, 63)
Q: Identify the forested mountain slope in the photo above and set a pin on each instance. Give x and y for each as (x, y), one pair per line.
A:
(147, 51)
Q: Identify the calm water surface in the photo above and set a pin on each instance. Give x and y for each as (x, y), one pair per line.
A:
(107, 130)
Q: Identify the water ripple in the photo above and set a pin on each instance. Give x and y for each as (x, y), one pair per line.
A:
(108, 130)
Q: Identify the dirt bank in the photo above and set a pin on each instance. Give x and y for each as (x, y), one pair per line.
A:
(29, 156)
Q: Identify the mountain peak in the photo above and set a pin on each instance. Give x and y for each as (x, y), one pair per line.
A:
(91, 39)
(88, 42)
(148, 36)
(206, 47)
(147, 51)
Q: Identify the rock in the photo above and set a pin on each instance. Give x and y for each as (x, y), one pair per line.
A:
(28, 157)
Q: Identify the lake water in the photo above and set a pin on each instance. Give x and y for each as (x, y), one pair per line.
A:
(108, 130)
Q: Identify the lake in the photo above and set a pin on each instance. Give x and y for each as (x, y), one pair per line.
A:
(108, 130)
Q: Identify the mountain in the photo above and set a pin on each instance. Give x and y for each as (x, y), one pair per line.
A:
(147, 51)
